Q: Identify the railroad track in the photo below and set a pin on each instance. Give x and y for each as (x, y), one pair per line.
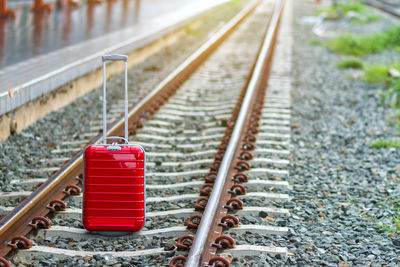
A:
(390, 7)
(183, 139)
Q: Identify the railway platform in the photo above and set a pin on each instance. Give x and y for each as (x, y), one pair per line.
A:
(42, 51)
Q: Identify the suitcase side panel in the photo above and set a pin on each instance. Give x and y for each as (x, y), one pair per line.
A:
(114, 188)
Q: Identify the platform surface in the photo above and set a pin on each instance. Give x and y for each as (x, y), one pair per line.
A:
(42, 51)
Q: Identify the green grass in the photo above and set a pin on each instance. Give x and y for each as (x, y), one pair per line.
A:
(383, 143)
(317, 43)
(365, 45)
(344, 8)
(391, 95)
(191, 30)
(357, 45)
(395, 227)
(376, 73)
(350, 63)
(341, 9)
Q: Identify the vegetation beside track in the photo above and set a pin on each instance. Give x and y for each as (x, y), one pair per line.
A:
(361, 14)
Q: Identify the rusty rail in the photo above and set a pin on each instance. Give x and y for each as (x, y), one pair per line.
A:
(48, 196)
(209, 236)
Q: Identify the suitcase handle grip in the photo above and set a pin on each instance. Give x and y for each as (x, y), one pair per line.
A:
(117, 138)
(105, 59)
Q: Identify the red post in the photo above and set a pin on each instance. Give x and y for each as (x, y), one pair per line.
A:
(5, 12)
(39, 5)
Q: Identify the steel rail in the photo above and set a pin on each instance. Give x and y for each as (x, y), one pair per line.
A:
(205, 227)
(384, 7)
(17, 221)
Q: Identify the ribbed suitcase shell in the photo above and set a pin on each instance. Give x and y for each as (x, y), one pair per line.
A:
(114, 188)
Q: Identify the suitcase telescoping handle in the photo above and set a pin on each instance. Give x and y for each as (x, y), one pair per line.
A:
(107, 58)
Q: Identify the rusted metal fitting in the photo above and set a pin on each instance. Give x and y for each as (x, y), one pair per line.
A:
(206, 189)
(254, 118)
(229, 221)
(234, 204)
(256, 112)
(4, 262)
(224, 242)
(242, 166)
(22, 199)
(220, 155)
(228, 131)
(37, 186)
(237, 190)
(20, 242)
(254, 124)
(218, 262)
(72, 190)
(248, 146)
(222, 146)
(132, 129)
(146, 115)
(185, 242)
(194, 221)
(201, 203)
(57, 205)
(215, 165)
(139, 124)
(40, 222)
(226, 138)
(246, 155)
(79, 177)
(211, 176)
(240, 178)
(250, 138)
(178, 261)
(252, 130)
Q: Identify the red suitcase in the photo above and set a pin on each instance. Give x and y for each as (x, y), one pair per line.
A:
(114, 178)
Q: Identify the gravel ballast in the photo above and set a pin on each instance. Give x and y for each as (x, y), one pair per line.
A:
(343, 190)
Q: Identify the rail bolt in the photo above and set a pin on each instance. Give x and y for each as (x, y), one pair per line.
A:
(246, 155)
(178, 261)
(4, 262)
(57, 205)
(40, 222)
(242, 166)
(219, 262)
(185, 242)
(194, 221)
(234, 204)
(220, 155)
(72, 190)
(240, 178)
(254, 118)
(248, 146)
(222, 146)
(252, 129)
(224, 242)
(237, 190)
(79, 177)
(206, 189)
(229, 221)
(250, 138)
(201, 203)
(20, 242)
(215, 165)
(211, 176)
